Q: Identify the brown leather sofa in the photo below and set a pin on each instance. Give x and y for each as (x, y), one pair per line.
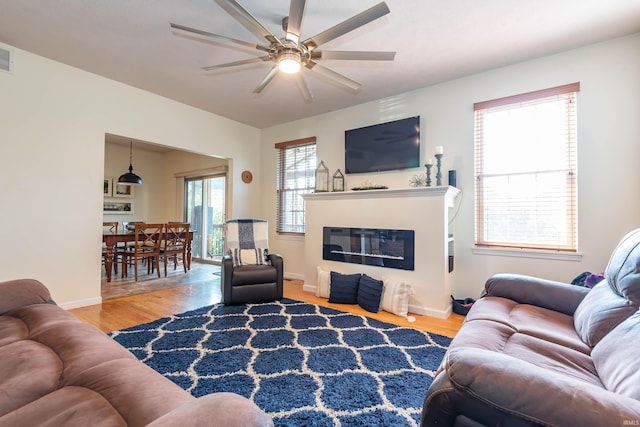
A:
(537, 352)
(58, 371)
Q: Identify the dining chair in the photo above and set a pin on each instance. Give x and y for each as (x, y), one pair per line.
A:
(109, 227)
(146, 247)
(174, 246)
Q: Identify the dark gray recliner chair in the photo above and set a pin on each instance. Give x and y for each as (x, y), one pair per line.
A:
(250, 274)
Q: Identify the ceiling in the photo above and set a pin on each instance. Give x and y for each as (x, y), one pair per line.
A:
(436, 40)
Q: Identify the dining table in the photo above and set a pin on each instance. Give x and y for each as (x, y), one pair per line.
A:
(111, 239)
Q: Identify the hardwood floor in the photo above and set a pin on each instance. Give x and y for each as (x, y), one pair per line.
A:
(190, 291)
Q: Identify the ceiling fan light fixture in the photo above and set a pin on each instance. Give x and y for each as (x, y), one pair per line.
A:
(289, 62)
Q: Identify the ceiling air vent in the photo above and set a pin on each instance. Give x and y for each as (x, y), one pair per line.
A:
(6, 60)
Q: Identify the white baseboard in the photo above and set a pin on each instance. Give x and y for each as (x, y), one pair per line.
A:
(425, 311)
(295, 276)
(309, 288)
(81, 303)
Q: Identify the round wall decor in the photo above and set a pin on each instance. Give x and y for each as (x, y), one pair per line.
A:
(247, 177)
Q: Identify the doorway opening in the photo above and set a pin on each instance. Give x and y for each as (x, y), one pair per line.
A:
(204, 209)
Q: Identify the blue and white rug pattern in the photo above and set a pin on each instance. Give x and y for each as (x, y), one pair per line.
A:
(305, 365)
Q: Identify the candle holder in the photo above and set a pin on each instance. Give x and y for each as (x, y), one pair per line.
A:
(428, 166)
(438, 169)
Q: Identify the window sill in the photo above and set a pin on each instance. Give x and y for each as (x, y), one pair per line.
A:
(293, 237)
(528, 253)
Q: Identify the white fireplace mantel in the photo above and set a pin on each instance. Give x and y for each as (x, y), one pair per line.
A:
(447, 192)
(424, 210)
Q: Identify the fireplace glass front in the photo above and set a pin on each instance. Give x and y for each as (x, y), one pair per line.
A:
(370, 246)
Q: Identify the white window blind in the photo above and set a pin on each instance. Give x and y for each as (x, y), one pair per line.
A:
(526, 170)
(295, 176)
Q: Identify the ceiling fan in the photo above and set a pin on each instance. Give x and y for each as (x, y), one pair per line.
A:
(289, 54)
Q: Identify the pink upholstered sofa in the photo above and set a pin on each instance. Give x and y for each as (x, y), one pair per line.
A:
(535, 352)
(58, 371)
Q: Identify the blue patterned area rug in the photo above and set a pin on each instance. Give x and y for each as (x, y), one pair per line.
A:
(305, 365)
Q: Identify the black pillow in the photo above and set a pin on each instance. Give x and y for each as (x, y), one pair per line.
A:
(344, 288)
(369, 293)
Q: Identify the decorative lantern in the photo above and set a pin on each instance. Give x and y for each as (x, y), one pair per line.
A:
(338, 181)
(322, 178)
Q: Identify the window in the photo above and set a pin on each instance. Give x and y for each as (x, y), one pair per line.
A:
(526, 172)
(295, 176)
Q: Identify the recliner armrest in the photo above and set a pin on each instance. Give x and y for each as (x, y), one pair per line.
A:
(556, 296)
(22, 292)
(277, 261)
(468, 386)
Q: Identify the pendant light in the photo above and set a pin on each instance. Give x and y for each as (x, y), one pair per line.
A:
(130, 178)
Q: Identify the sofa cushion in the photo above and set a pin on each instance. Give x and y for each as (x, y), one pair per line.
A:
(616, 358)
(601, 311)
(254, 274)
(12, 330)
(531, 320)
(29, 370)
(554, 351)
(68, 406)
(623, 270)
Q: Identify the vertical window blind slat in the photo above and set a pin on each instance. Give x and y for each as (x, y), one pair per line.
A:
(526, 170)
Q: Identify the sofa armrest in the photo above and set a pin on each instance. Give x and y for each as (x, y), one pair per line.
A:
(21, 292)
(486, 386)
(556, 296)
(217, 409)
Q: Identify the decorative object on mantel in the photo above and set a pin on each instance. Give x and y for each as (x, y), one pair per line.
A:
(439, 153)
(322, 178)
(369, 185)
(130, 178)
(338, 181)
(428, 165)
(418, 180)
(247, 177)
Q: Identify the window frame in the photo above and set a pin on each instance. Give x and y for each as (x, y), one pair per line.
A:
(569, 92)
(282, 228)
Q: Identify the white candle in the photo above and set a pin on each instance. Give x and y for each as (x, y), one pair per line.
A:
(430, 161)
(439, 149)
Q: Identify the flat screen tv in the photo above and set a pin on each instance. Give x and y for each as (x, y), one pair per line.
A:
(383, 147)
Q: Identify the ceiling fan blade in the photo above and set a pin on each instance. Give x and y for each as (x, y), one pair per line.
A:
(333, 75)
(243, 16)
(353, 55)
(350, 24)
(266, 79)
(296, 11)
(233, 64)
(218, 37)
(304, 88)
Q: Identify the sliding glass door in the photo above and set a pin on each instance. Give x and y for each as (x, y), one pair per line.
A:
(204, 207)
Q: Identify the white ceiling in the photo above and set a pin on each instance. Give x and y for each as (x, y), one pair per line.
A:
(435, 40)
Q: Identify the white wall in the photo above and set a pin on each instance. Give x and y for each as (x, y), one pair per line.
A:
(54, 119)
(608, 152)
